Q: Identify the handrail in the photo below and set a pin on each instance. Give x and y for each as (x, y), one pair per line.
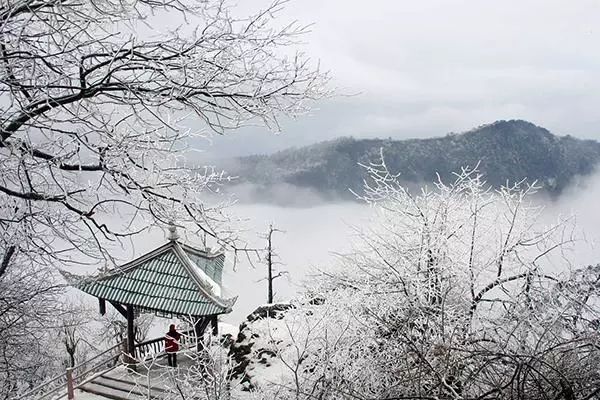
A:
(39, 387)
(87, 371)
(161, 338)
(143, 348)
(59, 381)
(97, 356)
(63, 377)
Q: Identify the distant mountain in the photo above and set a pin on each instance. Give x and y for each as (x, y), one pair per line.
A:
(505, 150)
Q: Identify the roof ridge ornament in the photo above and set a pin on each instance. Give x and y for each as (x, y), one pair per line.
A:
(173, 235)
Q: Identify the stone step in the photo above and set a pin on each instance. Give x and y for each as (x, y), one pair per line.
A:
(128, 388)
(103, 391)
(120, 389)
(131, 387)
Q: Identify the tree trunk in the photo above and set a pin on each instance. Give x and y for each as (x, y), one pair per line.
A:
(72, 359)
(270, 267)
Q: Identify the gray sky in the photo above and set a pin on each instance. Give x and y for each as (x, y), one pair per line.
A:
(428, 67)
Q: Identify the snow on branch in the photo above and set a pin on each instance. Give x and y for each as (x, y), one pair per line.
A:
(97, 103)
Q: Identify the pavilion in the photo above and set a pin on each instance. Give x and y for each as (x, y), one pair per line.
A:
(173, 280)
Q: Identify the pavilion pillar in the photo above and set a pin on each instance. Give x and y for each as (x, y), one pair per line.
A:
(130, 333)
(102, 305)
(215, 325)
(199, 331)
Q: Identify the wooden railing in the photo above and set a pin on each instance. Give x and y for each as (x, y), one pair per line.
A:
(106, 360)
(156, 347)
(51, 386)
(74, 377)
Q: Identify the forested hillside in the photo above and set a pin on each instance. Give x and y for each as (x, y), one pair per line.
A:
(505, 150)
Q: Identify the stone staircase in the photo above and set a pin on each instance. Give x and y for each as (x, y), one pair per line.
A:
(119, 389)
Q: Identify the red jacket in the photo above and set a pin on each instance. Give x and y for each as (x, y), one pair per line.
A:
(172, 341)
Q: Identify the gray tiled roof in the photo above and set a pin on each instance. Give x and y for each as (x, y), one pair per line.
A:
(174, 278)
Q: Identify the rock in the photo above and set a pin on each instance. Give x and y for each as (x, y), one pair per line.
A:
(243, 350)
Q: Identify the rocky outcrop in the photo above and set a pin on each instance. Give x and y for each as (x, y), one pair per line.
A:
(248, 347)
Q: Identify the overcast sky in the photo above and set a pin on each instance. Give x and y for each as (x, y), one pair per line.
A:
(424, 68)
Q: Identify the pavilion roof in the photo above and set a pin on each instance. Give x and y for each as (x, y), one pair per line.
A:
(174, 278)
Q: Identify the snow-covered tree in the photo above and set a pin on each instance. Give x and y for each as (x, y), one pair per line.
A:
(28, 313)
(455, 292)
(95, 101)
(471, 295)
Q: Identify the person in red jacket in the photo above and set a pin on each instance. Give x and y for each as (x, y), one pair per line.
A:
(172, 345)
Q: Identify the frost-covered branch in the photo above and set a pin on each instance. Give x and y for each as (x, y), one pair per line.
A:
(97, 101)
(455, 292)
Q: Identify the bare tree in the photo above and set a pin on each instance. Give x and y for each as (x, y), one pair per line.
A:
(28, 313)
(76, 330)
(95, 97)
(71, 340)
(270, 261)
